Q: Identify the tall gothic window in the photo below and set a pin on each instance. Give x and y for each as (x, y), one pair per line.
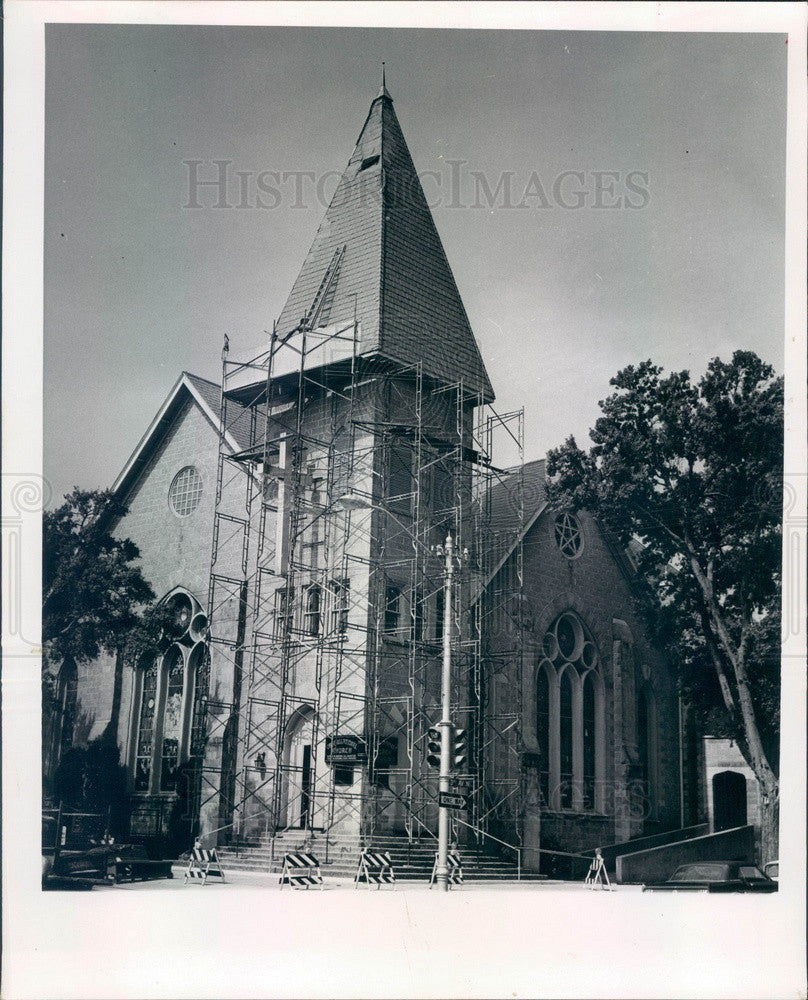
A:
(170, 714)
(199, 663)
(589, 748)
(543, 731)
(174, 679)
(565, 740)
(148, 705)
(570, 736)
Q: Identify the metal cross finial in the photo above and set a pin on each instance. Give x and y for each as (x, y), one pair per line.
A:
(384, 92)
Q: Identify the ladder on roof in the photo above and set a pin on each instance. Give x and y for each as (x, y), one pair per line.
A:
(310, 322)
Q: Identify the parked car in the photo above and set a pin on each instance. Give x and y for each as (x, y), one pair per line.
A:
(716, 876)
(772, 869)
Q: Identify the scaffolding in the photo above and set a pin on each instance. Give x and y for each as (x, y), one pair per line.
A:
(326, 617)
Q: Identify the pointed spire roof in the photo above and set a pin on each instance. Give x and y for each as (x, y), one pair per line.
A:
(378, 255)
(383, 92)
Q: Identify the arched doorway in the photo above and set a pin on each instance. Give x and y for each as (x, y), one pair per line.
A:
(729, 800)
(298, 770)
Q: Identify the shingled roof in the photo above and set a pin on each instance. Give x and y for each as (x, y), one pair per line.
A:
(388, 264)
(504, 497)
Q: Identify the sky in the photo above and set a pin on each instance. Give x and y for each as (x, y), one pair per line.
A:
(682, 134)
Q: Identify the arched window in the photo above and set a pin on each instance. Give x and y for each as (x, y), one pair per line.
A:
(570, 735)
(565, 740)
(170, 715)
(543, 731)
(589, 751)
(173, 685)
(199, 665)
(148, 706)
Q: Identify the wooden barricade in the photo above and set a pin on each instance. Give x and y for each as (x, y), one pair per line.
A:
(203, 864)
(454, 869)
(597, 874)
(301, 870)
(375, 868)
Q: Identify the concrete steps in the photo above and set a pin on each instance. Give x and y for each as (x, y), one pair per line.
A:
(412, 860)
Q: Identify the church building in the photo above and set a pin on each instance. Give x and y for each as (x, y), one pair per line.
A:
(299, 518)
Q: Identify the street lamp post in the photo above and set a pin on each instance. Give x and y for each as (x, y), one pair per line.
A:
(353, 501)
(442, 870)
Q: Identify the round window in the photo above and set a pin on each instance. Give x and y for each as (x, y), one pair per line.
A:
(568, 535)
(185, 491)
(181, 612)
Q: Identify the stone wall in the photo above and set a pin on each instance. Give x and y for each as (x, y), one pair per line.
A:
(659, 863)
(598, 591)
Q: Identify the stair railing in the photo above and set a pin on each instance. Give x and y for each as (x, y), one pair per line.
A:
(504, 843)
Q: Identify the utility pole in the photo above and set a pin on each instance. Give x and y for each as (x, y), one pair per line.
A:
(442, 872)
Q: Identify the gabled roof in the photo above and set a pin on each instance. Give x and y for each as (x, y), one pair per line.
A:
(206, 395)
(504, 518)
(508, 525)
(377, 256)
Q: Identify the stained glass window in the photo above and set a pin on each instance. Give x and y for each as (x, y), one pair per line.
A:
(543, 731)
(148, 705)
(589, 741)
(172, 718)
(565, 740)
(201, 686)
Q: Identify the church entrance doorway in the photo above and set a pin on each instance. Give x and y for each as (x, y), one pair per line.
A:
(729, 800)
(299, 772)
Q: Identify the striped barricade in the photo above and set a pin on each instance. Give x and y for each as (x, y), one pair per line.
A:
(300, 871)
(375, 868)
(454, 869)
(203, 864)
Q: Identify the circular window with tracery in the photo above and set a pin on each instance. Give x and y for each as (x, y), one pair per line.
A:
(185, 491)
(568, 535)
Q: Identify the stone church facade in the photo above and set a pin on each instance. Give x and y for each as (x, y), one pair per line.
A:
(289, 517)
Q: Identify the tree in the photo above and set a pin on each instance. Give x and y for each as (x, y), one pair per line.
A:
(93, 595)
(94, 599)
(690, 477)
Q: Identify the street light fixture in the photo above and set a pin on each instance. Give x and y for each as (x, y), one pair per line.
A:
(354, 501)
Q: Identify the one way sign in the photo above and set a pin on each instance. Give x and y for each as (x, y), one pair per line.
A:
(452, 800)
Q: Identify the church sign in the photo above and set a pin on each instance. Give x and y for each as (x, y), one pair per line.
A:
(345, 749)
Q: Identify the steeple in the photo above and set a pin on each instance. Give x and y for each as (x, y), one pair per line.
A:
(383, 92)
(378, 255)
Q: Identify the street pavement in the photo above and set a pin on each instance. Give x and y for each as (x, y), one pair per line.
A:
(269, 882)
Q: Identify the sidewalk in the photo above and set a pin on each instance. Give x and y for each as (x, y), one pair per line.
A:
(260, 880)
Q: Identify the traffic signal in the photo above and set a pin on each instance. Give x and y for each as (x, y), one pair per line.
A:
(460, 747)
(433, 748)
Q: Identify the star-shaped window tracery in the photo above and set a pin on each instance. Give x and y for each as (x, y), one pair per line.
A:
(568, 535)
